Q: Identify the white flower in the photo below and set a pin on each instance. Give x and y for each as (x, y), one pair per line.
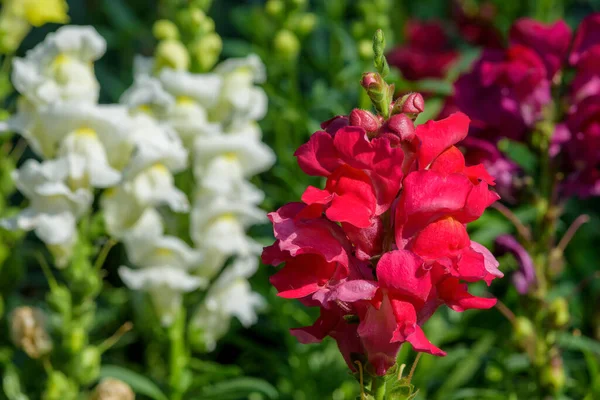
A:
(165, 285)
(147, 95)
(54, 207)
(229, 296)
(162, 250)
(45, 128)
(221, 162)
(60, 68)
(240, 99)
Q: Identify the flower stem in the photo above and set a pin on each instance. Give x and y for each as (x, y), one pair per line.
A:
(378, 387)
(177, 356)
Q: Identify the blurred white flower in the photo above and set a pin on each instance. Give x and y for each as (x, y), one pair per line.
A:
(61, 67)
(229, 296)
(162, 250)
(53, 206)
(221, 162)
(165, 285)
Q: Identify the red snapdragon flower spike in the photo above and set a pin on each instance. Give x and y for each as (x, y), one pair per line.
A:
(586, 37)
(384, 243)
(426, 54)
(550, 41)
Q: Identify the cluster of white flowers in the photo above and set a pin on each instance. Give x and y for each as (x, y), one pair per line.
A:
(168, 120)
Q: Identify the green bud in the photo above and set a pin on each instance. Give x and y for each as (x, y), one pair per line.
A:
(59, 300)
(202, 4)
(274, 8)
(287, 44)
(559, 312)
(297, 3)
(86, 366)
(171, 54)
(553, 375)
(75, 339)
(306, 24)
(365, 49)
(206, 51)
(523, 329)
(164, 29)
(59, 387)
(494, 373)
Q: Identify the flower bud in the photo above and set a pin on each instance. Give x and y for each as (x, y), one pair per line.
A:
(553, 375)
(206, 51)
(59, 300)
(524, 333)
(364, 119)
(306, 23)
(171, 54)
(372, 81)
(402, 126)
(411, 104)
(379, 92)
(559, 312)
(75, 339)
(38, 13)
(86, 366)
(164, 29)
(365, 49)
(113, 389)
(287, 44)
(28, 331)
(59, 387)
(274, 8)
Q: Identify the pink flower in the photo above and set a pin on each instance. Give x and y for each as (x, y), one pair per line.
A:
(586, 37)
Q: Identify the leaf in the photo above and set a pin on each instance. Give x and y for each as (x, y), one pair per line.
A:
(479, 394)
(580, 343)
(139, 383)
(235, 389)
(466, 368)
(519, 153)
(11, 384)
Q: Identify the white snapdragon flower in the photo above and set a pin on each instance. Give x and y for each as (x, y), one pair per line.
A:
(218, 227)
(162, 250)
(240, 99)
(54, 207)
(229, 296)
(61, 67)
(165, 286)
(222, 162)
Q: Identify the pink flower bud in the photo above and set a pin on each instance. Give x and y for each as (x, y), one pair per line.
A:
(371, 80)
(402, 126)
(364, 119)
(413, 103)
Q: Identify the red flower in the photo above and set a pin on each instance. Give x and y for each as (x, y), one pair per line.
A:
(586, 37)
(384, 244)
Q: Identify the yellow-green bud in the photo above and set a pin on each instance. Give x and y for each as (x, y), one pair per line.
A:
(553, 375)
(86, 366)
(559, 312)
(171, 54)
(206, 51)
(274, 8)
(287, 44)
(306, 23)
(365, 49)
(493, 373)
(197, 16)
(12, 32)
(297, 3)
(59, 387)
(28, 331)
(112, 389)
(75, 339)
(39, 12)
(164, 29)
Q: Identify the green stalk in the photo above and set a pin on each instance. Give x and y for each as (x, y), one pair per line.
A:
(177, 355)
(378, 387)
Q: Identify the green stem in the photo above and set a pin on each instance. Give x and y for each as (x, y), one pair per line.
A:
(177, 355)
(378, 387)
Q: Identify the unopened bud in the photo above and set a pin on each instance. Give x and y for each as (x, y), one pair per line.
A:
(75, 339)
(364, 119)
(274, 8)
(113, 389)
(524, 332)
(553, 375)
(287, 44)
(28, 331)
(86, 366)
(379, 92)
(172, 54)
(59, 300)
(559, 312)
(206, 51)
(59, 387)
(372, 81)
(402, 126)
(50, 11)
(411, 104)
(164, 29)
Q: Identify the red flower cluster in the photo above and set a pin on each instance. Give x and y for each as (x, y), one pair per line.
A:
(384, 244)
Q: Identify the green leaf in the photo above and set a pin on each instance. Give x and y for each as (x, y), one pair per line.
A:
(11, 384)
(139, 383)
(235, 389)
(519, 153)
(580, 343)
(466, 368)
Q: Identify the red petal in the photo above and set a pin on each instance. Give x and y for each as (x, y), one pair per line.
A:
(437, 136)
